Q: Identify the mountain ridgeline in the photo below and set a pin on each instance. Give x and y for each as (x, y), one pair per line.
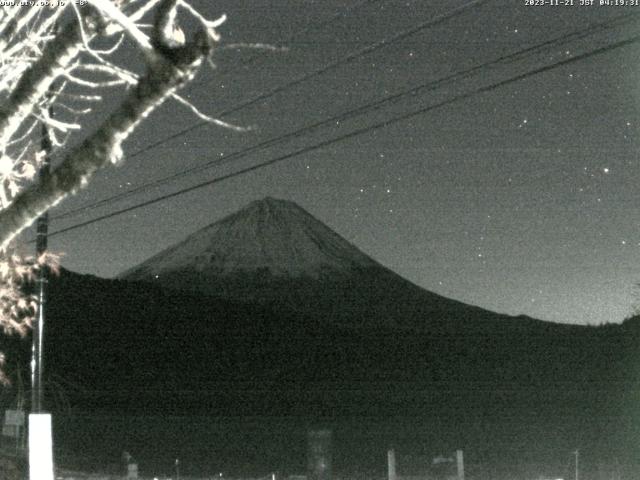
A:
(268, 312)
(275, 253)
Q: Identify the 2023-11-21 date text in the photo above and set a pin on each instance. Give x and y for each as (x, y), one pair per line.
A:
(582, 3)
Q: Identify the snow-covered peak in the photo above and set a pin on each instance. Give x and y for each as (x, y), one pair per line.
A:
(268, 235)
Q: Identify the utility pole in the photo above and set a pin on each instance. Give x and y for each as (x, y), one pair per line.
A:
(40, 435)
(460, 464)
(319, 454)
(577, 454)
(42, 228)
(391, 465)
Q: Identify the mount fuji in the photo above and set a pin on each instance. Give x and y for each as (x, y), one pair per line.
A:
(268, 236)
(275, 252)
(269, 313)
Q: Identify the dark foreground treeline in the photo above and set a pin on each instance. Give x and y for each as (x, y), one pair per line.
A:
(126, 361)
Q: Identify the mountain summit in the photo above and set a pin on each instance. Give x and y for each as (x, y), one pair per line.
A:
(269, 236)
(275, 252)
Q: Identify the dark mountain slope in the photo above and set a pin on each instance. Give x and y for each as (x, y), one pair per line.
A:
(331, 336)
(122, 341)
(128, 348)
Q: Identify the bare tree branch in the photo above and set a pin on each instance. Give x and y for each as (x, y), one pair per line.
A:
(43, 64)
(127, 24)
(34, 83)
(169, 70)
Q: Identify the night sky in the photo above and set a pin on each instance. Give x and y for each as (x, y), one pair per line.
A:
(520, 199)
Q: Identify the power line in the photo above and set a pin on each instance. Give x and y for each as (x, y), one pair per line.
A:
(350, 57)
(428, 87)
(358, 132)
(307, 76)
(294, 36)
